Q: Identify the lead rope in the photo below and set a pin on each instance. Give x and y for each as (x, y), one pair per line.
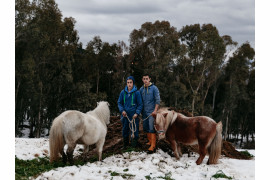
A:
(132, 127)
(146, 118)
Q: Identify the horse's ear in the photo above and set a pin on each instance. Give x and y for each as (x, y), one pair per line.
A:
(165, 114)
(154, 115)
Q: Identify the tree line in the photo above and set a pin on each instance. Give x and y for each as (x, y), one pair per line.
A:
(191, 67)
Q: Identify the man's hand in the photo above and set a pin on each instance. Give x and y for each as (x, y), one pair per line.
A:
(124, 113)
(135, 116)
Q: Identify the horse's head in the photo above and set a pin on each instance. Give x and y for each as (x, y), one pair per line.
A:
(160, 124)
(103, 111)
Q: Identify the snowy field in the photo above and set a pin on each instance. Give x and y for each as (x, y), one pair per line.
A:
(136, 165)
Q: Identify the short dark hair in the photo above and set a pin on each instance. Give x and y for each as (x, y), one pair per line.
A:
(146, 74)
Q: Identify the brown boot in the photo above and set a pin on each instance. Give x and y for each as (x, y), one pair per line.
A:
(149, 138)
(153, 142)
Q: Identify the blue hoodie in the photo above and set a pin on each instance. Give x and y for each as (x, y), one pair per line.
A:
(150, 97)
(131, 102)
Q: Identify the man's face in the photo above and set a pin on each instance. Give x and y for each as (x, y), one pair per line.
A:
(146, 80)
(129, 84)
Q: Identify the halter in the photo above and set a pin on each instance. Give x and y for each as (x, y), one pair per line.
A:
(160, 131)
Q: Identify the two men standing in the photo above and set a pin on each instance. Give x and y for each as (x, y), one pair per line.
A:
(132, 102)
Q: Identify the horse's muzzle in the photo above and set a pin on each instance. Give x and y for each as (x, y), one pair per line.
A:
(161, 136)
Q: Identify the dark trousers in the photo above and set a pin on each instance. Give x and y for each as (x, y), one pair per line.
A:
(148, 125)
(126, 129)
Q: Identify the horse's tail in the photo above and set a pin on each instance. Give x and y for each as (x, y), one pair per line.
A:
(57, 141)
(215, 146)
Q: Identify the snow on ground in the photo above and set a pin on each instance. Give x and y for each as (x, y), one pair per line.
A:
(136, 165)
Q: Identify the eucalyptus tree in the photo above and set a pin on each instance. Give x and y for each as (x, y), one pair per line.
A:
(239, 81)
(44, 50)
(204, 55)
(230, 46)
(154, 48)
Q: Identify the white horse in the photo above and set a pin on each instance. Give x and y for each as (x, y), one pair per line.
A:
(74, 127)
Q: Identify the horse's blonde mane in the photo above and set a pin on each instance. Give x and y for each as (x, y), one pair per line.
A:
(170, 118)
(101, 112)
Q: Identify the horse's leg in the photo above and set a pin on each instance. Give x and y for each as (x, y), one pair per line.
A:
(179, 150)
(174, 148)
(70, 150)
(99, 148)
(64, 156)
(202, 152)
(85, 151)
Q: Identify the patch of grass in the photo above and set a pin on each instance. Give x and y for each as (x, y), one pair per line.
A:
(123, 175)
(94, 158)
(32, 168)
(246, 153)
(127, 176)
(148, 177)
(130, 149)
(167, 176)
(28, 168)
(125, 170)
(115, 173)
(220, 174)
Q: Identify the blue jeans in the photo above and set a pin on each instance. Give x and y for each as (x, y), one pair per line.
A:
(148, 125)
(126, 131)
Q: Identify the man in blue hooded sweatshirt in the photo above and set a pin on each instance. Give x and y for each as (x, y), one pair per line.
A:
(130, 106)
(151, 102)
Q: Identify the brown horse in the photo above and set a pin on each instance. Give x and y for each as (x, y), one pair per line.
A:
(200, 130)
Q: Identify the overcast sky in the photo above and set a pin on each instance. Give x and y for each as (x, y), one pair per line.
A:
(114, 20)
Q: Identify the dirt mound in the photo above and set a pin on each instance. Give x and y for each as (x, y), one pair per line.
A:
(114, 143)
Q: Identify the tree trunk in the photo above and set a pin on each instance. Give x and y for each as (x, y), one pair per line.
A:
(18, 117)
(242, 136)
(214, 99)
(31, 135)
(247, 138)
(175, 100)
(97, 80)
(16, 95)
(205, 98)
(38, 125)
(226, 127)
(193, 103)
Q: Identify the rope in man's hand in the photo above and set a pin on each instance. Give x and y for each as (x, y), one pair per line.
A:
(132, 124)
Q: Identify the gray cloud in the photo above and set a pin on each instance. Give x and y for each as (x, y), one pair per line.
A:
(114, 20)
